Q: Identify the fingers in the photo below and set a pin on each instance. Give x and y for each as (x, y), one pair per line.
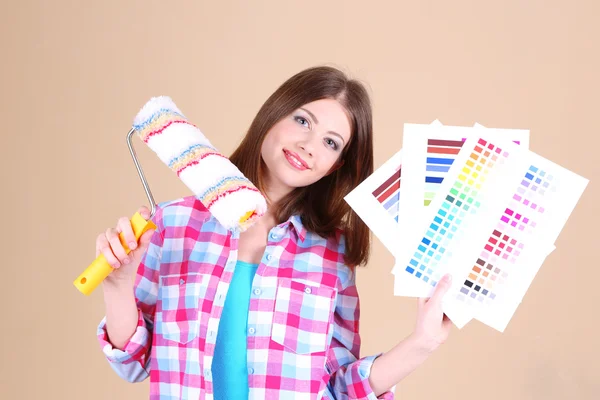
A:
(144, 212)
(109, 243)
(124, 225)
(441, 289)
(103, 247)
(116, 246)
(446, 323)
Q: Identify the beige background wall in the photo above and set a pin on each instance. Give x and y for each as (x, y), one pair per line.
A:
(74, 74)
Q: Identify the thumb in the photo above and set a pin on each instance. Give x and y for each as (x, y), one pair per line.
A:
(143, 243)
(441, 289)
(145, 238)
(421, 301)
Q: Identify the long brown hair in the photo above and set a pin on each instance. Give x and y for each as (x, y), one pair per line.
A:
(321, 205)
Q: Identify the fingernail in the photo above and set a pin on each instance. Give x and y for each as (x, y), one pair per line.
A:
(115, 265)
(126, 261)
(448, 278)
(132, 245)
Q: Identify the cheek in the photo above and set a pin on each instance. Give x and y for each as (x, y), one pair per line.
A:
(328, 161)
(264, 146)
(272, 140)
(268, 145)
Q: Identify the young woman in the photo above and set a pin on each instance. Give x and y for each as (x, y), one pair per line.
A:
(272, 312)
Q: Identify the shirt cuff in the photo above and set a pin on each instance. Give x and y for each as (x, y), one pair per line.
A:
(135, 349)
(359, 387)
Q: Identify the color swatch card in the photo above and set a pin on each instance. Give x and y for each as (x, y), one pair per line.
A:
(500, 318)
(494, 218)
(432, 151)
(376, 201)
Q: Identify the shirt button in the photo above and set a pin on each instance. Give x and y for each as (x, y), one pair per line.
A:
(269, 256)
(207, 373)
(274, 236)
(251, 331)
(250, 371)
(257, 291)
(307, 290)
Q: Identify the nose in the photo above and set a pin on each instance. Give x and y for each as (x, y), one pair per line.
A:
(308, 143)
(306, 149)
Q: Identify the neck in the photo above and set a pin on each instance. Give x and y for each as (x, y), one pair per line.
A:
(275, 193)
(267, 220)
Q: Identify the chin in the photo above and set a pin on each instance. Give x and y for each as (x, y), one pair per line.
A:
(292, 182)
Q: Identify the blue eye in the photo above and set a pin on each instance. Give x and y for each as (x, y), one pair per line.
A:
(302, 121)
(332, 143)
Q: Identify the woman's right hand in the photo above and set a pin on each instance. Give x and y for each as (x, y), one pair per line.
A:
(108, 243)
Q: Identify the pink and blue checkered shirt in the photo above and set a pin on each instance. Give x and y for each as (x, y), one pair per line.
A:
(303, 340)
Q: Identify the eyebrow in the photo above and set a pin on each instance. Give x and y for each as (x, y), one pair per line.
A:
(317, 121)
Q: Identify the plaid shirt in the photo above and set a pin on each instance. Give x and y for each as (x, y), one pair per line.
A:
(303, 340)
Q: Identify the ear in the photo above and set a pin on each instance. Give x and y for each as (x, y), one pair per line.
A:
(335, 167)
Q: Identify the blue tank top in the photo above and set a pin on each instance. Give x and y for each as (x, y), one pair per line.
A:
(230, 364)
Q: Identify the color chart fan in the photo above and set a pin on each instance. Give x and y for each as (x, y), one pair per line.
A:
(493, 221)
(474, 202)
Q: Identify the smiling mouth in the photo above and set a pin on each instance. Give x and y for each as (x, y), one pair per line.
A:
(295, 161)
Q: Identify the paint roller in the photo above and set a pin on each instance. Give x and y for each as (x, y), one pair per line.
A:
(231, 198)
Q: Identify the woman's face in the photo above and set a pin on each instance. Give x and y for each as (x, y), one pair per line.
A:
(305, 146)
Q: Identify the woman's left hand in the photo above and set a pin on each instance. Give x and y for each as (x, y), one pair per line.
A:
(432, 329)
(433, 326)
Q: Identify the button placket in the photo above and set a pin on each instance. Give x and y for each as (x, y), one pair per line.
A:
(276, 233)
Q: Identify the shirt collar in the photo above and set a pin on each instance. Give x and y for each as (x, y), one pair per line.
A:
(296, 222)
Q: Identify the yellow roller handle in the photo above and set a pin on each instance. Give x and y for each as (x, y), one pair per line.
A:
(245, 217)
(100, 268)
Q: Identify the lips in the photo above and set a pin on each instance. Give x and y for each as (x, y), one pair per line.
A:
(295, 160)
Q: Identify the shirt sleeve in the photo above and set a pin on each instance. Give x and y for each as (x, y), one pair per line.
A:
(349, 373)
(132, 363)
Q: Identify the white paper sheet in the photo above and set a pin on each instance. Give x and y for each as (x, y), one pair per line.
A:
(495, 316)
(376, 201)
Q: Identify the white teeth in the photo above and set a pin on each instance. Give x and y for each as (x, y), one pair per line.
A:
(295, 160)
